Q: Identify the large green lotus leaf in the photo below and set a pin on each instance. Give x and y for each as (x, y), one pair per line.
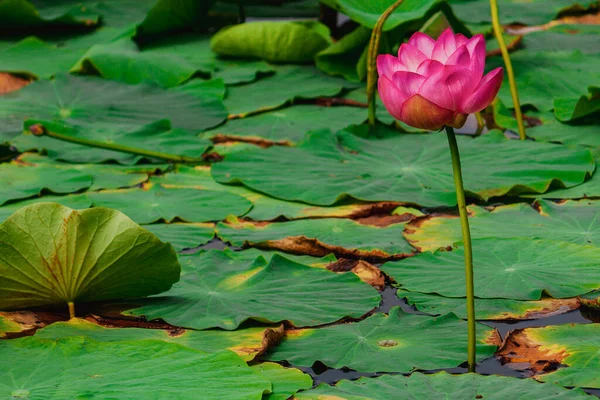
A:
(407, 168)
(530, 12)
(166, 63)
(235, 71)
(224, 289)
(588, 189)
(173, 15)
(441, 386)
(558, 38)
(288, 84)
(554, 80)
(520, 269)
(22, 181)
(345, 56)
(252, 254)
(31, 56)
(573, 346)
(247, 343)
(264, 208)
(105, 107)
(319, 237)
(286, 381)
(573, 221)
(271, 9)
(50, 254)
(78, 367)
(104, 176)
(288, 125)
(489, 309)
(19, 14)
(273, 41)
(155, 203)
(75, 201)
(548, 128)
(397, 342)
(183, 236)
(157, 136)
(410, 13)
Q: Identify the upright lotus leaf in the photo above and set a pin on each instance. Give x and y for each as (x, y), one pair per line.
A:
(105, 107)
(75, 201)
(183, 236)
(167, 64)
(404, 168)
(410, 13)
(489, 309)
(224, 289)
(50, 254)
(286, 125)
(273, 41)
(441, 385)
(286, 381)
(79, 367)
(22, 181)
(397, 342)
(266, 208)
(104, 176)
(20, 14)
(288, 84)
(319, 237)
(574, 347)
(153, 203)
(572, 221)
(345, 56)
(554, 80)
(246, 343)
(520, 269)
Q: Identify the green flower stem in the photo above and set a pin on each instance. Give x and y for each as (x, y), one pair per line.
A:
(480, 123)
(466, 235)
(372, 59)
(39, 130)
(509, 69)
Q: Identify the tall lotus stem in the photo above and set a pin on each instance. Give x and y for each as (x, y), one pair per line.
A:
(372, 59)
(509, 69)
(466, 235)
(71, 306)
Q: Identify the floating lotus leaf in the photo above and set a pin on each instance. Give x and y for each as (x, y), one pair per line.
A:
(183, 236)
(247, 343)
(572, 221)
(22, 181)
(155, 203)
(50, 254)
(79, 367)
(405, 168)
(572, 346)
(506, 268)
(441, 385)
(319, 237)
(286, 381)
(224, 289)
(490, 309)
(75, 201)
(288, 84)
(399, 342)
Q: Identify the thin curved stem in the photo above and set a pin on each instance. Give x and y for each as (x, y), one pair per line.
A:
(509, 69)
(39, 130)
(466, 235)
(480, 123)
(372, 59)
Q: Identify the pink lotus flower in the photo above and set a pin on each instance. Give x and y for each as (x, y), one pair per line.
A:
(435, 83)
